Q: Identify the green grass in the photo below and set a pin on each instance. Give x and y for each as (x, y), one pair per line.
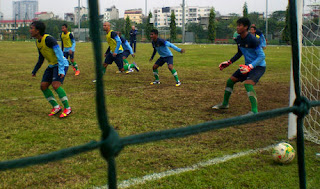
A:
(135, 107)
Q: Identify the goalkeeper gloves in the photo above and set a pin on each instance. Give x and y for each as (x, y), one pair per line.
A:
(245, 69)
(224, 64)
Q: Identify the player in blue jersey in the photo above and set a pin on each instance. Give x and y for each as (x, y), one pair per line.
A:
(251, 72)
(127, 50)
(259, 35)
(68, 45)
(161, 46)
(55, 73)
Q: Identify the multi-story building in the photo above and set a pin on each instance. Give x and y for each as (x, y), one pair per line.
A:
(69, 17)
(83, 14)
(44, 15)
(11, 25)
(111, 13)
(162, 16)
(1, 16)
(24, 9)
(135, 15)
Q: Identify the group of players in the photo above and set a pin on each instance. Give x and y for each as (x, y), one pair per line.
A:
(251, 46)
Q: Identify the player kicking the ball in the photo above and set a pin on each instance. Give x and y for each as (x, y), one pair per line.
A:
(56, 71)
(161, 46)
(251, 72)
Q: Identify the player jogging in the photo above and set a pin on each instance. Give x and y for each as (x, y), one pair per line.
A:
(127, 50)
(251, 72)
(258, 34)
(161, 46)
(68, 45)
(56, 71)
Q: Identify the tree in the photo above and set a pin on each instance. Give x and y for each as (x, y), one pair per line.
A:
(118, 25)
(212, 25)
(149, 26)
(173, 27)
(286, 31)
(245, 10)
(127, 28)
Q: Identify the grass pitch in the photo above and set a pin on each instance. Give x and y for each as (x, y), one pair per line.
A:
(135, 107)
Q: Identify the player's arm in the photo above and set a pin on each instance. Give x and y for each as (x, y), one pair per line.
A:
(73, 41)
(153, 54)
(168, 44)
(232, 60)
(118, 40)
(263, 41)
(39, 64)
(128, 47)
(62, 47)
(52, 43)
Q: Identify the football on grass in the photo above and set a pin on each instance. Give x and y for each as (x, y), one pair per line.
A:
(283, 153)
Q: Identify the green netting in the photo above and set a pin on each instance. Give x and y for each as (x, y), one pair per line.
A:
(110, 144)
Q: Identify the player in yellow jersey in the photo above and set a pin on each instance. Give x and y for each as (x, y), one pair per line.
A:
(55, 73)
(68, 45)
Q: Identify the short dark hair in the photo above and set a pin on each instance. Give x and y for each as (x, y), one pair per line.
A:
(255, 28)
(65, 25)
(39, 26)
(244, 21)
(155, 31)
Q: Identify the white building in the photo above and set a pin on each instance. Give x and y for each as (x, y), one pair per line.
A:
(44, 15)
(11, 25)
(69, 17)
(83, 14)
(192, 14)
(1, 16)
(111, 13)
(24, 9)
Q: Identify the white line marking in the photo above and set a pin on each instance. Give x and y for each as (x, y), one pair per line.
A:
(157, 176)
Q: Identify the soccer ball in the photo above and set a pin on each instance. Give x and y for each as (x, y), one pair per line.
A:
(283, 153)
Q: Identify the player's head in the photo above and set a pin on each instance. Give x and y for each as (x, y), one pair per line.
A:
(253, 29)
(64, 28)
(243, 25)
(37, 28)
(133, 27)
(107, 26)
(154, 34)
(119, 33)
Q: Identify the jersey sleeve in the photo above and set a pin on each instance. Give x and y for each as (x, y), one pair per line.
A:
(168, 44)
(236, 56)
(117, 39)
(73, 47)
(39, 63)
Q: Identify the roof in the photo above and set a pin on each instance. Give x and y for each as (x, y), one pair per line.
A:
(13, 21)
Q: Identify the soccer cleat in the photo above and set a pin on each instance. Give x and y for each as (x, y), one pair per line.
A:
(54, 111)
(118, 72)
(249, 113)
(66, 112)
(220, 106)
(155, 83)
(130, 71)
(77, 72)
(178, 84)
(136, 66)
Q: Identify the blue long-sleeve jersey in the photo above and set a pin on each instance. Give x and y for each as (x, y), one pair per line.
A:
(125, 45)
(161, 46)
(251, 49)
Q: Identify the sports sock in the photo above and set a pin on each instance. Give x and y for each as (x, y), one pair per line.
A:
(75, 65)
(228, 92)
(63, 97)
(156, 74)
(126, 67)
(175, 74)
(125, 61)
(49, 96)
(252, 97)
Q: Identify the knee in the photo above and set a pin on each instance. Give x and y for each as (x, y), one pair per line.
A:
(56, 85)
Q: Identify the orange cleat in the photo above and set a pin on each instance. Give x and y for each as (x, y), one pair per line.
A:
(66, 112)
(77, 72)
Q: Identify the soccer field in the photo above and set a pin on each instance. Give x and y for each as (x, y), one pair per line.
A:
(136, 107)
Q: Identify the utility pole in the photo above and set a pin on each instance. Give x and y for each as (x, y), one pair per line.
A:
(15, 27)
(266, 20)
(183, 20)
(79, 20)
(146, 8)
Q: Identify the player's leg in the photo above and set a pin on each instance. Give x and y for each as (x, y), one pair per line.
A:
(56, 84)
(74, 64)
(135, 45)
(172, 70)
(45, 83)
(128, 67)
(254, 75)
(155, 67)
(118, 60)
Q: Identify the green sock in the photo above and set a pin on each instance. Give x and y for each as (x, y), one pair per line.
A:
(175, 74)
(156, 74)
(49, 96)
(125, 61)
(63, 97)
(252, 97)
(227, 92)
(75, 65)
(104, 70)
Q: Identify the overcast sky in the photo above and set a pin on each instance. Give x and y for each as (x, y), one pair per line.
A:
(59, 7)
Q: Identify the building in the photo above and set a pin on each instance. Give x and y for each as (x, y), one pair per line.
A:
(69, 17)
(111, 13)
(1, 16)
(8, 26)
(135, 15)
(44, 15)
(24, 9)
(162, 16)
(83, 14)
